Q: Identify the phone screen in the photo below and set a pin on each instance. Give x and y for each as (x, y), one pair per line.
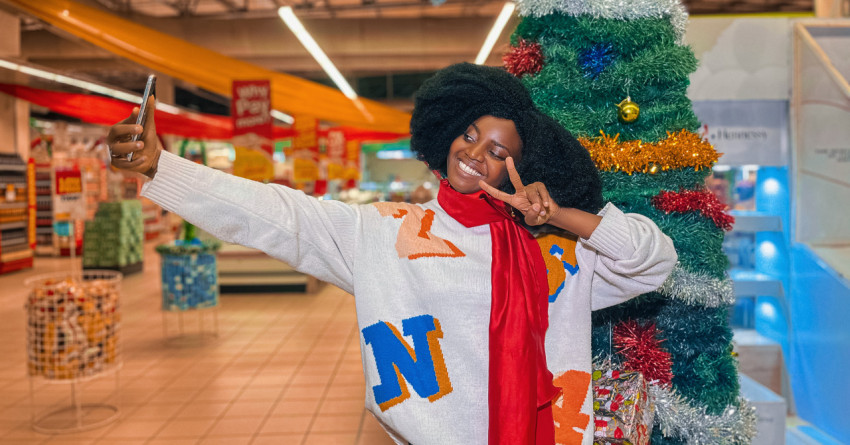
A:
(150, 90)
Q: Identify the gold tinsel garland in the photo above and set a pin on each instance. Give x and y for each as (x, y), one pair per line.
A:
(681, 149)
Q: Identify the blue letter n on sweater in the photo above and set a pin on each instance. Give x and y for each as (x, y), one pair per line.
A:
(422, 366)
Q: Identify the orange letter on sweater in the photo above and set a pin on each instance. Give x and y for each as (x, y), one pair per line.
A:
(415, 239)
(566, 411)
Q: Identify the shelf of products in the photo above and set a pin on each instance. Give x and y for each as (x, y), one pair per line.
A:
(94, 183)
(53, 230)
(17, 219)
(43, 209)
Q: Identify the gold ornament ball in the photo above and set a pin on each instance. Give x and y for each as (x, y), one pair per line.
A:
(628, 110)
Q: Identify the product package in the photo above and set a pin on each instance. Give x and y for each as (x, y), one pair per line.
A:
(623, 413)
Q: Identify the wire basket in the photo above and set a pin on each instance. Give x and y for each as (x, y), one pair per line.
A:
(73, 324)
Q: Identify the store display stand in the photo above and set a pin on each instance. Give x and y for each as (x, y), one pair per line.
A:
(77, 416)
(181, 334)
(189, 283)
(72, 338)
(17, 213)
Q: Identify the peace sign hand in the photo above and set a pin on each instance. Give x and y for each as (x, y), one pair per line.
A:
(531, 200)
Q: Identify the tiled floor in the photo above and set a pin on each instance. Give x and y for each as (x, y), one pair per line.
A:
(285, 369)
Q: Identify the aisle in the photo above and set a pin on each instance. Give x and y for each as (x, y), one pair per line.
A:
(285, 370)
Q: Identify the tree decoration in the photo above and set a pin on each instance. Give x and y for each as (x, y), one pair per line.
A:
(648, 65)
(695, 288)
(695, 200)
(643, 351)
(676, 417)
(524, 58)
(595, 59)
(628, 111)
(597, 50)
(612, 9)
(680, 150)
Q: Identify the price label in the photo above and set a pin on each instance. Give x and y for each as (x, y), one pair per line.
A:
(68, 181)
(69, 185)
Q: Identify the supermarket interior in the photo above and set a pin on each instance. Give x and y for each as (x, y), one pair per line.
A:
(726, 122)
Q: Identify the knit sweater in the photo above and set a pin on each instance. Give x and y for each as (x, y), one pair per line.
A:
(422, 287)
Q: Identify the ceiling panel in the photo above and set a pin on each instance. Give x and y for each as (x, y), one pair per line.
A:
(413, 8)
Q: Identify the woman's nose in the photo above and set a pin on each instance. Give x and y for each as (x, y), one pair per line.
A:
(476, 152)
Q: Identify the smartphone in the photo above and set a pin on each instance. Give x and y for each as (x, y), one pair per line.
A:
(150, 90)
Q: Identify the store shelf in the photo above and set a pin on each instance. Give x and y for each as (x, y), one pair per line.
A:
(749, 283)
(754, 221)
(241, 269)
(15, 256)
(13, 225)
(12, 205)
(771, 411)
(12, 168)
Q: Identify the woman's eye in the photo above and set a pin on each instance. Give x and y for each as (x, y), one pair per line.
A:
(497, 155)
(468, 138)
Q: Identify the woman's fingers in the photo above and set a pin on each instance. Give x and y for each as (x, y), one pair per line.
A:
(494, 192)
(513, 174)
(122, 132)
(123, 163)
(545, 198)
(535, 198)
(122, 149)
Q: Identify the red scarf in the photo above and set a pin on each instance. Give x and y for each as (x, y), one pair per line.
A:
(520, 384)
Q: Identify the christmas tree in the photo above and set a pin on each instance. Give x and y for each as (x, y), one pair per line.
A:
(615, 73)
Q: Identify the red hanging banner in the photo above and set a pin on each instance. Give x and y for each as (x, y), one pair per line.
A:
(305, 149)
(336, 155)
(352, 163)
(252, 130)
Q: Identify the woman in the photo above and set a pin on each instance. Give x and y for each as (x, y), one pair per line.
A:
(453, 299)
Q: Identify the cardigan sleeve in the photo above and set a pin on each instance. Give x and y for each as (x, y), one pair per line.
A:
(313, 236)
(632, 257)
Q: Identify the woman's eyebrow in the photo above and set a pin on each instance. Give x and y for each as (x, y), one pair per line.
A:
(499, 144)
(496, 143)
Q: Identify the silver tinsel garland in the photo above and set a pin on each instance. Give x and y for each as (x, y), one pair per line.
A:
(697, 288)
(612, 9)
(677, 418)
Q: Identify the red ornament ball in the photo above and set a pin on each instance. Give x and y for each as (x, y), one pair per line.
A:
(525, 58)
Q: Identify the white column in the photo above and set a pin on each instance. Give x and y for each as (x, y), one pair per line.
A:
(14, 113)
(830, 9)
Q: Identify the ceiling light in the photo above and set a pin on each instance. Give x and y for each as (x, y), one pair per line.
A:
(281, 116)
(106, 91)
(288, 17)
(495, 32)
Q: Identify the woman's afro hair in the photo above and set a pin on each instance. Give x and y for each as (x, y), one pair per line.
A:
(458, 95)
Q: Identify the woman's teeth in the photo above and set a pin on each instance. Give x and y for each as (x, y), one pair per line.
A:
(468, 170)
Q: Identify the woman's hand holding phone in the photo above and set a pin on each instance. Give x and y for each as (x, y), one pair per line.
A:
(145, 151)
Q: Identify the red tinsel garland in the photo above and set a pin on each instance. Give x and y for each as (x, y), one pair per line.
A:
(690, 200)
(525, 58)
(643, 352)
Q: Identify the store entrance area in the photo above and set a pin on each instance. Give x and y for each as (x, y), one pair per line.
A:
(285, 369)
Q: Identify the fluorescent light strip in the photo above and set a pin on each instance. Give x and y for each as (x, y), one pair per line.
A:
(35, 72)
(495, 32)
(281, 116)
(288, 17)
(106, 91)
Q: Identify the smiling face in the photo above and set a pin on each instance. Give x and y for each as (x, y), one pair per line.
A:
(479, 154)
